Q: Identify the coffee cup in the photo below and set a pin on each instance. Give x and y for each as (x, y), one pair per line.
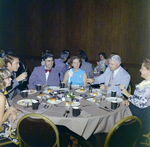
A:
(24, 93)
(114, 105)
(38, 87)
(62, 85)
(75, 111)
(113, 93)
(35, 105)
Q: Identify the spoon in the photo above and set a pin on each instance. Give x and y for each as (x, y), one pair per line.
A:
(67, 113)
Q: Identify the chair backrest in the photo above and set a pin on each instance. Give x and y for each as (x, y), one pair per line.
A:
(37, 131)
(124, 133)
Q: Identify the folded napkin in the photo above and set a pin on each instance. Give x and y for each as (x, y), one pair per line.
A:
(85, 114)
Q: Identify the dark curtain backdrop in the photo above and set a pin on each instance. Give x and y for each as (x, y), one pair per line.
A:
(121, 26)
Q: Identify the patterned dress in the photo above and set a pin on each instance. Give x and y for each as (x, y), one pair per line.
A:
(6, 130)
(140, 107)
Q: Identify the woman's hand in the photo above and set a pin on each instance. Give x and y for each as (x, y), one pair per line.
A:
(98, 64)
(126, 103)
(13, 116)
(124, 91)
(90, 80)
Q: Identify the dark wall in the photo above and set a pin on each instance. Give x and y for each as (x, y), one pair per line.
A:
(121, 26)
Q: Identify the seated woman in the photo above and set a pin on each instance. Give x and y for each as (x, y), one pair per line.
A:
(75, 76)
(140, 101)
(102, 64)
(6, 111)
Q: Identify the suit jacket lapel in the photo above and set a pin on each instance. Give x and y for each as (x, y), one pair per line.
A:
(42, 73)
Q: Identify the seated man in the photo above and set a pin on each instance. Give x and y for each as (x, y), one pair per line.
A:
(60, 62)
(45, 74)
(86, 66)
(12, 63)
(113, 77)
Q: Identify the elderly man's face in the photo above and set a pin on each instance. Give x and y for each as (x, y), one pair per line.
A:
(113, 65)
(49, 63)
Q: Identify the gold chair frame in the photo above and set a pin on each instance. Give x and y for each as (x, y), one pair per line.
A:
(35, 115)
(117, 125)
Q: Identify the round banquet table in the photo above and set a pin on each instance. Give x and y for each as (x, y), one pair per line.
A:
(99, 121)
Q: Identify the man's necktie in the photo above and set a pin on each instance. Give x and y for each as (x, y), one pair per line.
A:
(46, 70)
(111, 79)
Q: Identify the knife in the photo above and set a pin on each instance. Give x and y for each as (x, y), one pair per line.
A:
(104, 109)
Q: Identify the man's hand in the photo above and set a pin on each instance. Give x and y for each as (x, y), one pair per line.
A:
(103, 87)
(90, 80)
(21, 76)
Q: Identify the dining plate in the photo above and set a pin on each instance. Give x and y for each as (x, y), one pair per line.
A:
(96, 90)
(54, 87)
(90, 100)
(56, 102)
(75, 104)
(31, 91)
(25, 101)
(110, 99)
(78, 97)
(47, 96)
(94, 94)
(78, 90)
(75, 86)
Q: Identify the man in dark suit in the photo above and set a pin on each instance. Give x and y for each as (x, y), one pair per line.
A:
(45, 74)
(113, 77)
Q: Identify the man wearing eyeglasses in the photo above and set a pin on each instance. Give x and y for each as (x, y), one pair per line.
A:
(46, 74)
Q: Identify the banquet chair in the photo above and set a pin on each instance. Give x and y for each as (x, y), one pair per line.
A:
(38, 131)
(5, 141)
(124, 133)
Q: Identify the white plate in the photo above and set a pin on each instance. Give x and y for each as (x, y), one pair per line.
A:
(46, 92)
(95, 95)
(78, 97)
(25, 101)
(32, 91)
(56, 102)
(75, 104)
(78, 90)
(75, 86)
(54, 87)
(96, 90)
(47, 96)
(110, 99)
(90, 100)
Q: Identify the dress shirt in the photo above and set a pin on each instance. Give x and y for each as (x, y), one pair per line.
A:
(116, 71)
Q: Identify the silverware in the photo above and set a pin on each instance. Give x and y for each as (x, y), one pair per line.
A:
(108, 108)
(104, 109)
(67, 113)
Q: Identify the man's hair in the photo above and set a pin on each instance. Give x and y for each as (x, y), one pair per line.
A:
(47, 56)
(116, 58)
(146, 63)
(4, 74)
(64, 55)
(9, 59)
(82, 55)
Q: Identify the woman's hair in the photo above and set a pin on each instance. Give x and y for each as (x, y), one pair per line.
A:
(147, 63)
(4, 74)
(75, 57)
(103, 54)
(9, 59)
